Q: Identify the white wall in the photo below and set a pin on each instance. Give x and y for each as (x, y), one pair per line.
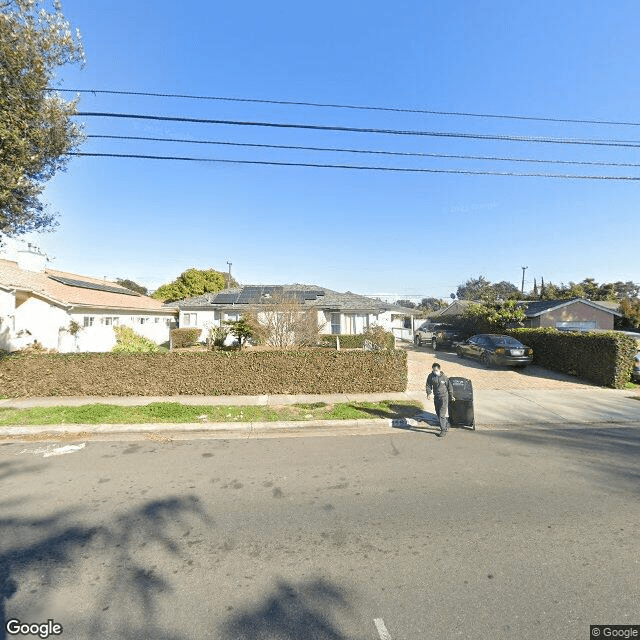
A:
(100, 337)
(37, 319)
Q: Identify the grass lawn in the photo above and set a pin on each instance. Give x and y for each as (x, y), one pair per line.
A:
(175, 412)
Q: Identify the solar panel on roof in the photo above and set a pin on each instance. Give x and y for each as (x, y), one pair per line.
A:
(83, 284)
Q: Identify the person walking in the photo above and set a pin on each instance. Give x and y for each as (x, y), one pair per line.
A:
(439, 385)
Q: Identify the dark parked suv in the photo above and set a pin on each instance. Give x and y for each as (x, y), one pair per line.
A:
(437, 334)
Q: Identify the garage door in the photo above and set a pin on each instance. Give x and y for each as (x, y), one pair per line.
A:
(576, 326)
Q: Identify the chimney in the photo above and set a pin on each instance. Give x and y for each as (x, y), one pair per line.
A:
(31, 259)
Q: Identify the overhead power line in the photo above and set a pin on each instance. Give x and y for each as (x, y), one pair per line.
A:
(399, 132)
(359, 167)
(365, 151)
(465, 114)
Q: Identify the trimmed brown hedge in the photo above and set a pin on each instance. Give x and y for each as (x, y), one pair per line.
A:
(605, 358)
(185, 337)
(314, 371)
(355, 341)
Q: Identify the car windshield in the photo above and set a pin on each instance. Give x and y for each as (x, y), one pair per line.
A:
(445, 327)
(506, 341)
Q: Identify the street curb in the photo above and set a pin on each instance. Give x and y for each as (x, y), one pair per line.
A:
(166, 427)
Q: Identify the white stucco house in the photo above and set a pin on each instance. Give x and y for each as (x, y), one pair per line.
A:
(46, 305)
(338, 313)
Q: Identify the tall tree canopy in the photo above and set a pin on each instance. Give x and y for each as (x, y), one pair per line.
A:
(191, 283)
(36, 131)
(134, 286)
(482, 289)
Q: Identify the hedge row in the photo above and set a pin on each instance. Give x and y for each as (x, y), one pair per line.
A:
(604, 358)
(353, 341)
(314, 371)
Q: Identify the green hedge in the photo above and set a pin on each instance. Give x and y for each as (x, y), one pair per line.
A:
(313, 371)
(353, 341)
(185, 337)
(605, 358)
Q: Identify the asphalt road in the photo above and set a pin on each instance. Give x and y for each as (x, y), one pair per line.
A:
(525, 533)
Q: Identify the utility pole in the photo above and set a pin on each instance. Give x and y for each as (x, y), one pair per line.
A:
(229, 278)
(523, 270)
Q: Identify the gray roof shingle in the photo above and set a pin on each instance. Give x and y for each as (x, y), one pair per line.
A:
(308, 295)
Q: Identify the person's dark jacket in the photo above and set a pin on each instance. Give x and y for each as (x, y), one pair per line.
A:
(440, 386)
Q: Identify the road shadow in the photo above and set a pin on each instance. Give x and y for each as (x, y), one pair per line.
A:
(303, 611)
(610, 455)
(393, 412)
(35, 553)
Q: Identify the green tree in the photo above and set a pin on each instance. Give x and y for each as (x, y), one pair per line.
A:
(631, 311)
(432, 304)
(192, 283)
(36, 130)
(241, 329)
(133, 286)
(473, 289)
(494, 317)
(505, 291)
(407, 304)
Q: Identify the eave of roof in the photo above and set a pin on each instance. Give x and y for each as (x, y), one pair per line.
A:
(552, 305)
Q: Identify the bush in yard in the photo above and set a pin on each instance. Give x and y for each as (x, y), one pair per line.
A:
(128, 341)
(379, 338)
(216, 337)
(186, 337)
(206, 373)
(603, 357)
(241, 329)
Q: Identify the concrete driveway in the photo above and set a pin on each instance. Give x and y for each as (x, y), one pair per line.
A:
(532, 377)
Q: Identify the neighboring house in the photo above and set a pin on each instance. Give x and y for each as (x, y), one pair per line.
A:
(577, 314)
(456, 308)
(338, 313)
(40, 304)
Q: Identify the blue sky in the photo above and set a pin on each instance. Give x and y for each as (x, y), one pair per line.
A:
(410, 234)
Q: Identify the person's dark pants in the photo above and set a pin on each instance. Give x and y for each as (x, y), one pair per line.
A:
(442, 407)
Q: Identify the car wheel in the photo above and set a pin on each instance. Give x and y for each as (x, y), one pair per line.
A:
(485, 359)
(434, 344)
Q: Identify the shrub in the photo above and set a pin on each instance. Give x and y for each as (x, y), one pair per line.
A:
(216, 337)
(186, 337)
(375, 335)
(379, 338)
(310, 371)
(128, 341)
(605, 358)
(346, 341)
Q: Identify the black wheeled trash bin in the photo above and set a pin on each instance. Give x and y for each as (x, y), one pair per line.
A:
(461, 410)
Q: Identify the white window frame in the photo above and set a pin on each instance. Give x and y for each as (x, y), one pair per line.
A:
(336, 324)
(88, 321)
(190, 319)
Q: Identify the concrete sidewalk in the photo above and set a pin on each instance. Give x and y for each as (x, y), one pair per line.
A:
(493, 408)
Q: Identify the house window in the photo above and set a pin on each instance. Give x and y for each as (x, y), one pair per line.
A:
(168, 322)
(156, 320)
(88, 321)
(142, 320)
(189, 319)
(335, 323)
(110, 321)
(232, 316)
